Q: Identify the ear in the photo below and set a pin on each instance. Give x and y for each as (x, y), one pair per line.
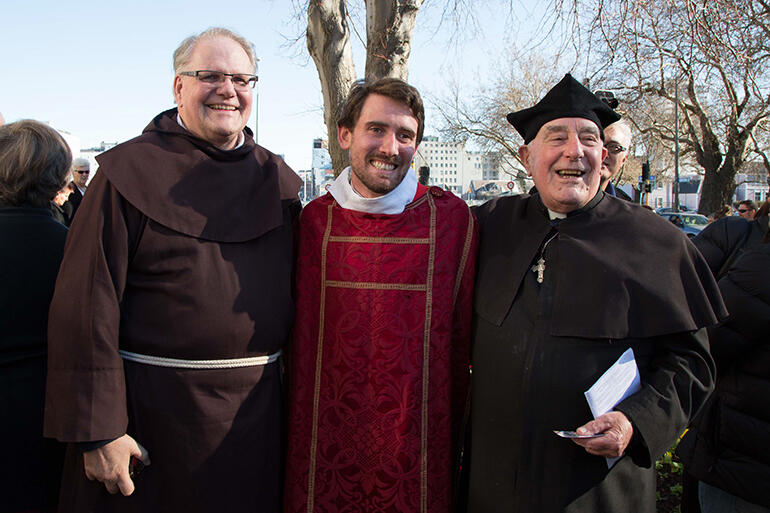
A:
(177, 88)
(524, 156)
(344, 137)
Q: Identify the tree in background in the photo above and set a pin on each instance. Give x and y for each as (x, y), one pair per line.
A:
(480, 117)
(709, 57)
(389, 26)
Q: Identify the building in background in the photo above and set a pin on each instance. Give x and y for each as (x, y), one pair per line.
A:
(753, 183)
(453, 168)
(322, 173)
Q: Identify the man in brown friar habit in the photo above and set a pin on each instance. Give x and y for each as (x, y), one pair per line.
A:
(173, 303)
(562, 292)
(380, 351)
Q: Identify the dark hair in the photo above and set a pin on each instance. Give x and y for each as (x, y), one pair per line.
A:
(748, 203)
(34, 163)
(722, 212)
(392, 88)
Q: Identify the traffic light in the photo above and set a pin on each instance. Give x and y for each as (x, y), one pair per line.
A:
(646, 177)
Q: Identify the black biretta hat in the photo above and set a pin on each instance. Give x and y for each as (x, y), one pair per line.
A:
(567, 99)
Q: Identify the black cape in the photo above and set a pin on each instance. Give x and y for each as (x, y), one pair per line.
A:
(617, 277)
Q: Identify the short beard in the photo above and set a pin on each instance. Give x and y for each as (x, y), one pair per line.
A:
(376, 188)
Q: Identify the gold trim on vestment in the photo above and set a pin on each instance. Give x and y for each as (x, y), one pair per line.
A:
(464, 259)
(375, 286)
(426, 359)
(380, 240)
(318, 365)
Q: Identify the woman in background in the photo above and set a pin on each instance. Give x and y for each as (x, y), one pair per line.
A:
(34, 162)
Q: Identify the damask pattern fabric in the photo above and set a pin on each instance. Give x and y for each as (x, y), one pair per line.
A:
(379, 377)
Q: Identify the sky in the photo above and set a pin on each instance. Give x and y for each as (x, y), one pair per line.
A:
(102, 70)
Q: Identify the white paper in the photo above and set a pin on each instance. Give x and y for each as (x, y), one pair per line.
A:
(618, 382)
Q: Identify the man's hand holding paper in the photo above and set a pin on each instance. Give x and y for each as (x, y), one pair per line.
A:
(621, 380)
(617, 431)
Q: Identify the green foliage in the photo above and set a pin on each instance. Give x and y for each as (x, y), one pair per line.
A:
(669, 493)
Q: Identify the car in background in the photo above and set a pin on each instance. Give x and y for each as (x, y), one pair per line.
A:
(690, 224)
(670, 210)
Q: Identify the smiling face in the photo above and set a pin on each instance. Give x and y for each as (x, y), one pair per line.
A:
(216, 113)
(564, 160)
(381, 145)
(614, 137)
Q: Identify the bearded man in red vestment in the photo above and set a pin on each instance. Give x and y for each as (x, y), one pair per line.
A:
(379, 363)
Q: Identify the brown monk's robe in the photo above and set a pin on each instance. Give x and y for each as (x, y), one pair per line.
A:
(180, 250)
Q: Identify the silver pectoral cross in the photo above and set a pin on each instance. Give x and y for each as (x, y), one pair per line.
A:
(539, 268)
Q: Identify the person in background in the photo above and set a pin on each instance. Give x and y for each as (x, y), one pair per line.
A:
(722, 241)
(617, 141)
(59, 205)
(81, 169)
(34, 163)
(726, 449)
(747, 209)
(173, 303)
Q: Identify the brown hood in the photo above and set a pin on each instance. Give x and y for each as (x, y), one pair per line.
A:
(189, 185)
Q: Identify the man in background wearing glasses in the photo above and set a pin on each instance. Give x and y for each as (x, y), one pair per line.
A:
(81, 169)
(747, 209)
(173, 303)
(617, 140)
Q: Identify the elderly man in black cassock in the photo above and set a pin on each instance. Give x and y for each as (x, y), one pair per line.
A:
(569, 278)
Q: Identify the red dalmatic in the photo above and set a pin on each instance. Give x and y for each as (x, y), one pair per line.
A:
(379, 362)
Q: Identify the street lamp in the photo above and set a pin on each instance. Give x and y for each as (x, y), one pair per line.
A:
(676, 144)
(256, 105)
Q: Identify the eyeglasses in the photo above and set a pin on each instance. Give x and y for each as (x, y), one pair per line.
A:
(82, 172)
(614, 148)
(241, 81)
(743, 211)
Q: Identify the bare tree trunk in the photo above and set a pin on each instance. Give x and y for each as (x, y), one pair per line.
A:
(717, 190)
(328, 42)
(389, 26)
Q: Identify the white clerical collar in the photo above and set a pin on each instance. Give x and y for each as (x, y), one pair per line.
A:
(241, 137)
(393, 202)
(555, 215)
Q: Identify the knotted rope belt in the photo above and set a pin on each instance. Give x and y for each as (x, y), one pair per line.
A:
(199, 364)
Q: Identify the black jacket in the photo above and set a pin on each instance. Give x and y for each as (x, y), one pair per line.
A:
(722, 241)
(73, 202)
(31, 247)
(727, 445)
